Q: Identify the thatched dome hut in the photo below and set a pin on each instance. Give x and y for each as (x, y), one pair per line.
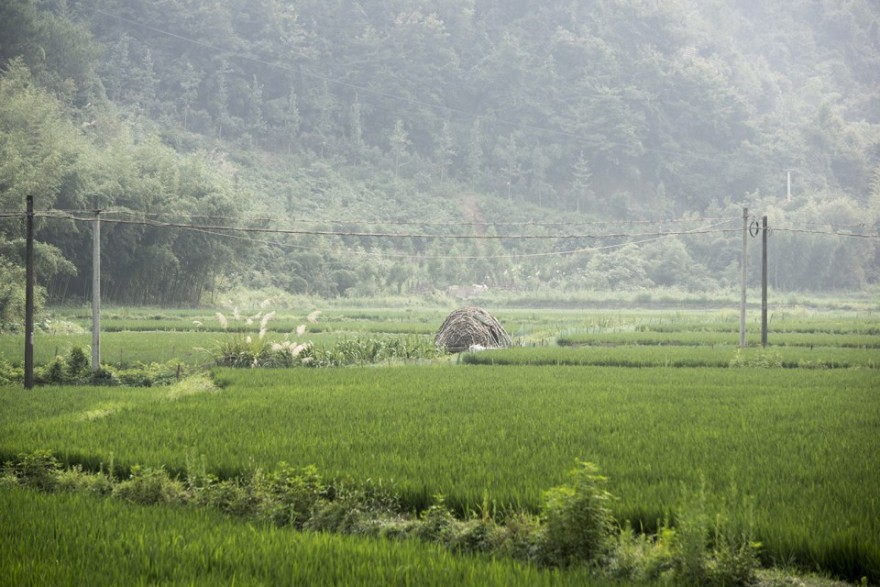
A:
(471, 326)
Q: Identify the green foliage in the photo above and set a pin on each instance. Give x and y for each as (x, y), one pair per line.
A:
(76, 479)
(764, 360)
(287, 495)
(12, 296)
(142, 374)
(676, 356)
(578, 520)
(245, 351)
(719, 553)
(149, 486)
(241, 351)
(576, 528)
(36, 469)
(638, 556)
(620, 111)
(9, 373)
(370, 350)
(74, 368)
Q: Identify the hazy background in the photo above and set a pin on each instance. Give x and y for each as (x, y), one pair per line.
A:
(360, 136)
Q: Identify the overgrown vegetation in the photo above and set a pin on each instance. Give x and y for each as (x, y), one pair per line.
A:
(246, 350)
(74, 368)
(575, 526)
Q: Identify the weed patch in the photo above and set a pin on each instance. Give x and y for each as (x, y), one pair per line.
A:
(575, 528)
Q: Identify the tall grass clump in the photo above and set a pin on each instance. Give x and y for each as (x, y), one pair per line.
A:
(719, 550)
(371, 350)
(578, 522)
(243, 350)
(240, 349)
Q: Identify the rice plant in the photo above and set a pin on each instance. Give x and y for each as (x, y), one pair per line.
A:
(796, 440)
(80, 539)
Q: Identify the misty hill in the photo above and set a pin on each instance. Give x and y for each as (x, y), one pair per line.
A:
(362, 128)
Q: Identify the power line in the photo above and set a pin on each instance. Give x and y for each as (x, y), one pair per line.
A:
(485, 223)
(231, 232)
(74, 215)
(826, 232)
(362, 234)
(222, 230)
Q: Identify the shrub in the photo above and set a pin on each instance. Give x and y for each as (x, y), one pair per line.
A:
(75, 479)
(228, 496)
(764, 359)
(140, 374)
(149, 486)
(10, 374)
(436, 522)
(241, 351)
(639, 557)
(578, 523)
(37, 469)
(54, 372)
(722, 553)
(287, 496)
(77, 364)
(521, 537)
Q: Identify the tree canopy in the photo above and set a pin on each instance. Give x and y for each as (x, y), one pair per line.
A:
(351, 115)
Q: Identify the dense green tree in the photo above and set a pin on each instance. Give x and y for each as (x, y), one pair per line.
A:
(581, 182)
(398, 142)
(611, 109)
(444, 150)
(356, 129)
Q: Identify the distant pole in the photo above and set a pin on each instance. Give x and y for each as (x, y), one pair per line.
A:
(96, 290)
(788, 185)
(742, 280)
(29, 298)
(764, 283)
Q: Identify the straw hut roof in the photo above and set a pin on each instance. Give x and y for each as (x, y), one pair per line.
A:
(471, 326)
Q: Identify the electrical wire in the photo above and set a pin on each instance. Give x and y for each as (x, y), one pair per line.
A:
(384, 255)
(485, 223)
(361, 234)
(77, 215)
(826, 232)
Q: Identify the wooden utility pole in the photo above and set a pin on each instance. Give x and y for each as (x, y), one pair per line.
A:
(742, 280)
(29, 298)
(764, 282)
(96, 290)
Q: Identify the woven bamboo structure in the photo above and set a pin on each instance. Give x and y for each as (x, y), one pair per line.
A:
(471, 326)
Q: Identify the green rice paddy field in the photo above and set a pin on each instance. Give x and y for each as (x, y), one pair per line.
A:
(793, 429)
(80, 540)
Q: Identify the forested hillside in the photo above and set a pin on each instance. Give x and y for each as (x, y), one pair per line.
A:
(370, 133)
